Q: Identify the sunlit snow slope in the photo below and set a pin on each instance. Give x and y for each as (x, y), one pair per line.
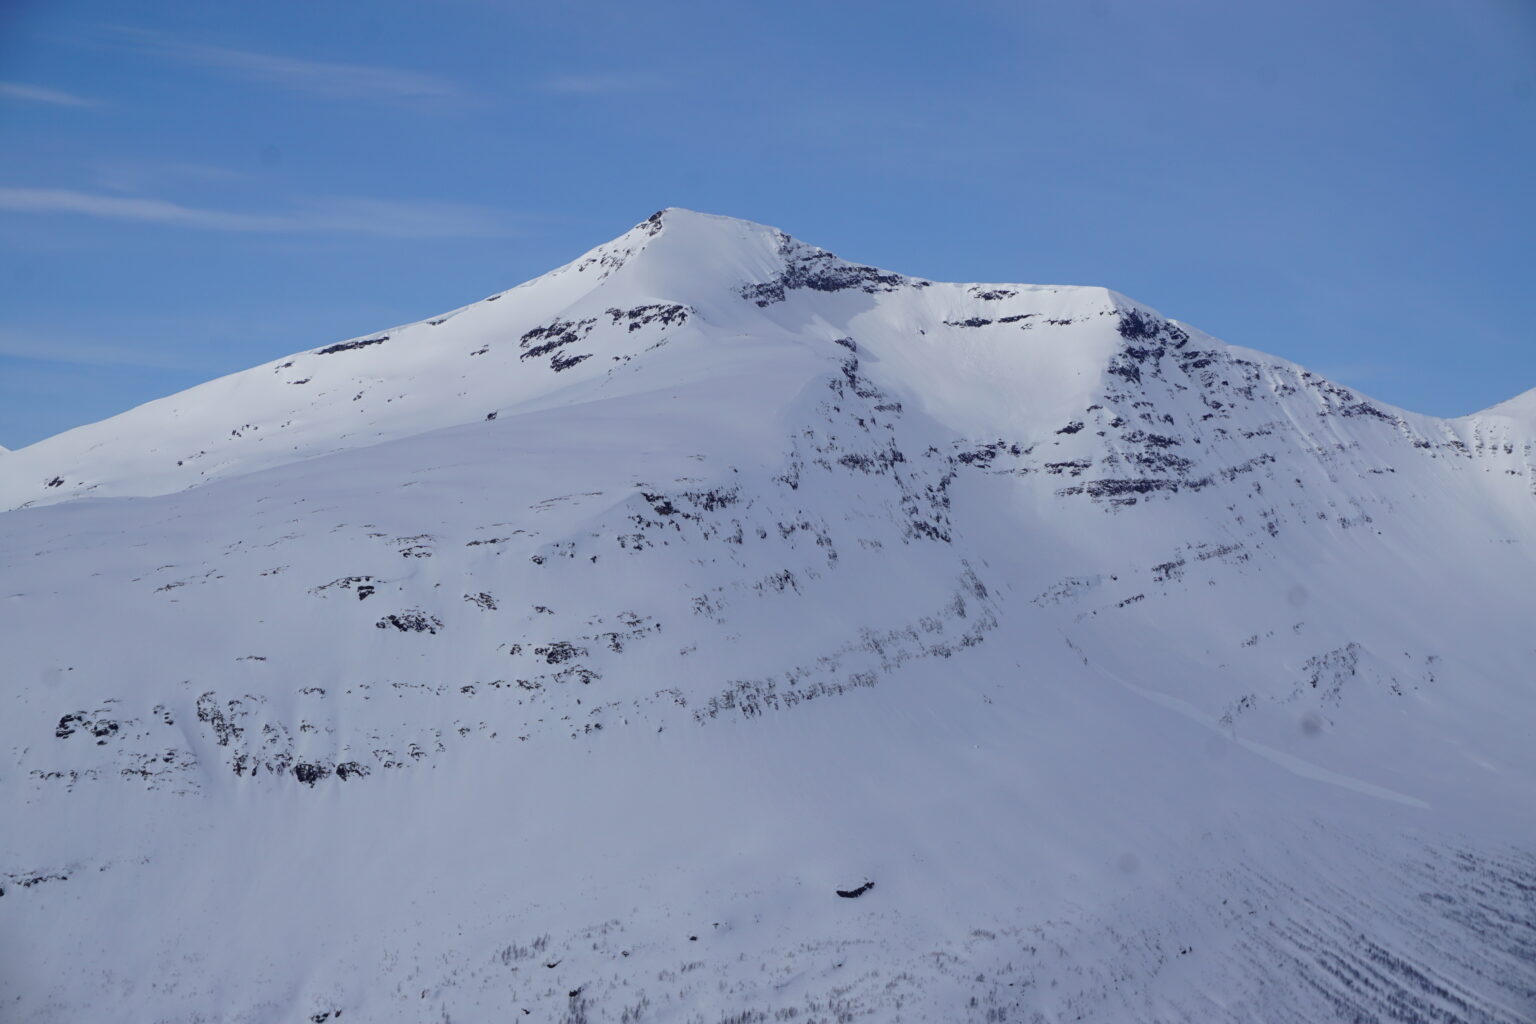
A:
(562, 658)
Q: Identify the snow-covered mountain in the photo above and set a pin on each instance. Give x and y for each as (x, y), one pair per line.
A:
(715, 630)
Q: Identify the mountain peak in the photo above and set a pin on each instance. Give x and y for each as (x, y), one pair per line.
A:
(677, 251)
(689, 299)
(786, 576)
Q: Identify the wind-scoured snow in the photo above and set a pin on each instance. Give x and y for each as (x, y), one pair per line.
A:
(715, 630)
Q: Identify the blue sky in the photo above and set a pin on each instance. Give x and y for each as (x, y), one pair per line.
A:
(187, 189)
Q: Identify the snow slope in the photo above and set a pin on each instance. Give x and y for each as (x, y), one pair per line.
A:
(1521, 407)
(569, 652)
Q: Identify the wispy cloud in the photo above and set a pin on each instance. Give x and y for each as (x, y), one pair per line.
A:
(127, 175)
(317, 78)
(35, 347)
(334, 215)
(599, 84)
(38, 94)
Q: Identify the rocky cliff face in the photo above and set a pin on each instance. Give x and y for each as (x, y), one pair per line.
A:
(577, 651)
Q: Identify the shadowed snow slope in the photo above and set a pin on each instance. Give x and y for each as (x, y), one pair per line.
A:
(568, 653)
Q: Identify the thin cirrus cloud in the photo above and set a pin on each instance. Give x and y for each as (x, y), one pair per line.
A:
(317, 78)
(38, 94)
(598, 84)
(126, 176)
(338, 215)
(31, 347)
